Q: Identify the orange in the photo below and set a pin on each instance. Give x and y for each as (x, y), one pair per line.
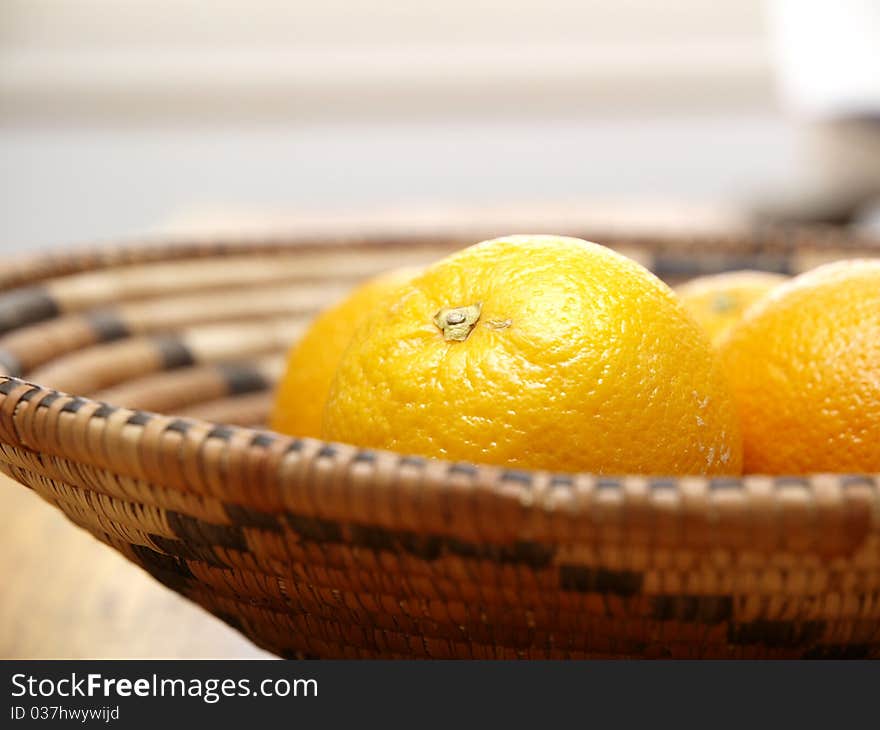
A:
(538, 352)
(804, 365)
(718, 301)
(311, 363)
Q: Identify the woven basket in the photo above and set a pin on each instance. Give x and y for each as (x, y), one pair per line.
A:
(324, 550)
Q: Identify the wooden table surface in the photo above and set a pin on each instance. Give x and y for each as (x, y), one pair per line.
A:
(67, 596)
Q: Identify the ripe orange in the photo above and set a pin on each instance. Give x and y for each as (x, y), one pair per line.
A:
(311, 363)
(538, 352)
(718, 301)
(804, 364)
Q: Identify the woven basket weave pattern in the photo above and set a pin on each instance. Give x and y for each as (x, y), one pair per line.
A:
(316, 549)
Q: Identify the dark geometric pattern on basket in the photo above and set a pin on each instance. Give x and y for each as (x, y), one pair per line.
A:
(324, 550)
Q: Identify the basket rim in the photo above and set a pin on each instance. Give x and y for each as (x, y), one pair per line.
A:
(45, 397)
(60, 259)
(498, 480)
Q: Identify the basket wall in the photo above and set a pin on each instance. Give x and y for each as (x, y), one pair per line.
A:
(325, 550)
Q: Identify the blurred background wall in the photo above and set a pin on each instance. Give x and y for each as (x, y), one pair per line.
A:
(118, 116)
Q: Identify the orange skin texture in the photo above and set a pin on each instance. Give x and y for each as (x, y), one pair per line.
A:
(804, 364)
(719, 301)
(311, 363)
(581, 360)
